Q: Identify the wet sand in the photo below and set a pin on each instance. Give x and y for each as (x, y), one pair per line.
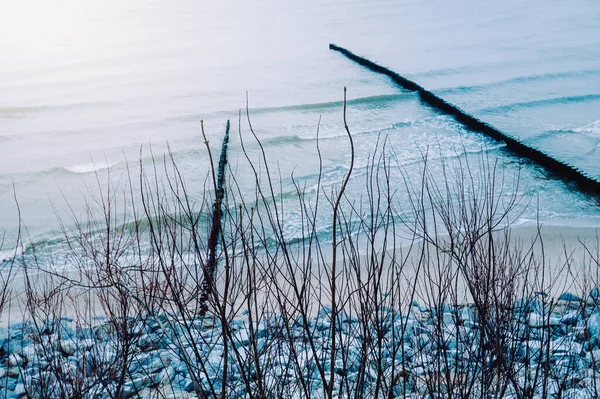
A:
(569, 254)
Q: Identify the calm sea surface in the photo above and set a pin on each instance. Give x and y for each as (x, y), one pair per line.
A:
(84, 84)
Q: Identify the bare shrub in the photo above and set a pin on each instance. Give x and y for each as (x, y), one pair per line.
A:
(435, 301)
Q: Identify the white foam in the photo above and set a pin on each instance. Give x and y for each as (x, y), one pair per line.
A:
(8, 254)
(592, 128)
(89, 167)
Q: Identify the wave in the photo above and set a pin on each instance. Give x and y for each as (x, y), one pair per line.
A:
(539, 103)
(282, 140)
(7, 137)
(30, 109)
(89, 167)
(233, 114)
(297, 139)
(336, 104)
(8, 254)
(592, 128)
(518, 80)
(81, 169)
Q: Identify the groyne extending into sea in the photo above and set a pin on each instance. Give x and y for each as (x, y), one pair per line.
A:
(555, 167)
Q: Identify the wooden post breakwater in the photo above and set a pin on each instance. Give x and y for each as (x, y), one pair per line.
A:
(215, 229)
(564, 171)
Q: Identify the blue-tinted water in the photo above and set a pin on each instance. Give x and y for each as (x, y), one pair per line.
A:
(84, 84)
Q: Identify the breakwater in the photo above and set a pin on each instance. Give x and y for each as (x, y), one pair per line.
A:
(215, 230)
(562, 170)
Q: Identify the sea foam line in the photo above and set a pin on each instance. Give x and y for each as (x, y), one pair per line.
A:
(89, 167)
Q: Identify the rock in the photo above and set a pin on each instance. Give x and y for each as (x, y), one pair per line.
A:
(167, 375)
(535, 320)
(67, 347)
(593, 326)
(569, 297)
(241, 338)
(554, 320)
(576, 393)
(82, 333)
(188, 385)
(86, 343)
(466, 316)
(152, 326)
(345, 318)
(322, 325)
(13, 372)
(528, 305)
(236, 325)
(10, 346)
(137, 384)
(156, 364)
(61, 327)
(265, 331)
(30, 353)
(103, 332)
(18, 331)
(10, 383)
(325, 311)
(19, 390)
(582, 334)
(148, 341)
(570, 319)
(16, 360)
(138, 329)
(541, 321)
(448, 319)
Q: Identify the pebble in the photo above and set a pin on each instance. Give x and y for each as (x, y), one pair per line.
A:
(570, 318)
(535, 320)
(19, 390)
(593, 326)
(569, 297)
(159, 354)
(13, 372)
(67, 347)
(15, 360)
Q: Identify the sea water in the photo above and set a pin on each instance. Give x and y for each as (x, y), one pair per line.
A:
(89, 88)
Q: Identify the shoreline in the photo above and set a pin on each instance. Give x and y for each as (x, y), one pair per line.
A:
(562, 248)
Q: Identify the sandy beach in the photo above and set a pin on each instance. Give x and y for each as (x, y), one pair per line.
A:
(565, 250)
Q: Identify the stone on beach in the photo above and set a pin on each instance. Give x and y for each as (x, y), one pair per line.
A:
(420, 339)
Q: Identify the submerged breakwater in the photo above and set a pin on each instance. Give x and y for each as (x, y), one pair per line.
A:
(561, 169)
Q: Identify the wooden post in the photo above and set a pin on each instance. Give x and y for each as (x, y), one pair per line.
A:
(215, 230)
